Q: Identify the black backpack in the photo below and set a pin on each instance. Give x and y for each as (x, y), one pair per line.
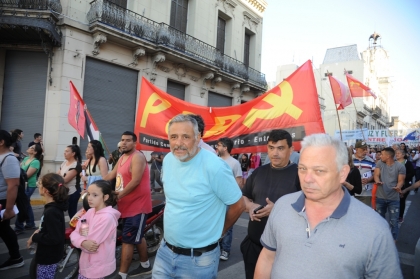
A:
(21, 199)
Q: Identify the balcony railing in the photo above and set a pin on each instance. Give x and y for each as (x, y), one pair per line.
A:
(162, 34)
(54, 5)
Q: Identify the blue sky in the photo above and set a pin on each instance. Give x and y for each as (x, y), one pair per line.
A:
(304, 29)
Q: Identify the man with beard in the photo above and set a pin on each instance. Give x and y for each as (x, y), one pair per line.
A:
(263, 188)
(198, 187)
(322, 232)
(134, 203)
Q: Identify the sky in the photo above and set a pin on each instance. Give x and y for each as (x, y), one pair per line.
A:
(299, 30)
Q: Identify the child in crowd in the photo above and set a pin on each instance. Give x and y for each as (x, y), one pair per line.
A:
(50, 235)
(97, 242)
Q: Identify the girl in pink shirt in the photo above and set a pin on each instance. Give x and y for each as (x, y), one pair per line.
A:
(97, 242)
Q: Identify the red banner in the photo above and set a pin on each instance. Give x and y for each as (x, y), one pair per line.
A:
(76, 114)
(292, 105)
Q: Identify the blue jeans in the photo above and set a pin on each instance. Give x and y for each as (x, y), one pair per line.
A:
(30, 222)
(393, 208)
(227, 240)
(170, 265)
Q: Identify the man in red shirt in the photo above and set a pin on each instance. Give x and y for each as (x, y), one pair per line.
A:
(134, 203)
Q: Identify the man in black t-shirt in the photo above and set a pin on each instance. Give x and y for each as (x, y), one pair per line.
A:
(263, 188)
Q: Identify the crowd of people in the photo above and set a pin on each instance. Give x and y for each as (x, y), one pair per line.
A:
(305, 206)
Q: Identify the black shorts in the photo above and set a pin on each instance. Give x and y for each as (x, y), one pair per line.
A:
(133, 228)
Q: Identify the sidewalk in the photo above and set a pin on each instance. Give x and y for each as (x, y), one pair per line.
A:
(36, 199)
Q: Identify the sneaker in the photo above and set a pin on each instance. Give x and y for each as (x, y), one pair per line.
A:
(140, 271)
(10, 263)
(400, 220)
(224, 256)
(18, 232)
(152, 191)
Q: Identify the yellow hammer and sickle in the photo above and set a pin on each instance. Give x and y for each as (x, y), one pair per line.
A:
(150, 109)
(281, 104)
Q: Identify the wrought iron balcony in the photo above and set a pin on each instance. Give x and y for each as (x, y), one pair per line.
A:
(162, 34)
(30, 22)
(54, 5)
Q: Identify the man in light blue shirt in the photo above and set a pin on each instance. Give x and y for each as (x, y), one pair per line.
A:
(198, 186)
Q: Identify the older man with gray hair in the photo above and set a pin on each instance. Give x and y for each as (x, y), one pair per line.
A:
(321, 232)
(198, 186)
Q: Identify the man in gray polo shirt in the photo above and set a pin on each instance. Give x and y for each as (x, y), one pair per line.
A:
(321, 232)
(389, 176)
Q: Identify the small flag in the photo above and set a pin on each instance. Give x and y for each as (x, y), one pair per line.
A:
(411, 136)
(76, 116)
(92, 130)
(340, 93)
(358, 89)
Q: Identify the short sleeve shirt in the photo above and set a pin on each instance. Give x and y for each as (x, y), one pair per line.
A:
(389, 178)
(235, 166)
(9, 169)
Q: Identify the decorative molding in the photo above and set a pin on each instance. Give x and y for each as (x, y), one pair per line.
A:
(258, 5)
(194, 78)
(180, 70)
(158, 58)
(205, 76)
(214, 81)
(228, 6)
(98, 39)
(203, 91)
(136, 54)
(245, 88)
(234, 86)
(163, 68)
(251, 20)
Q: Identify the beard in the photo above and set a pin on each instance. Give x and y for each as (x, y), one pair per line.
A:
(186, 156)
(126, 151)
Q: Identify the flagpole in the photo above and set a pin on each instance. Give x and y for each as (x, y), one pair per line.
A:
(336, 110)
(361, 129)
(94, 123)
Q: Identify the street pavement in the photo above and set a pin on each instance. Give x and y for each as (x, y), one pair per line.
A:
(233, 268)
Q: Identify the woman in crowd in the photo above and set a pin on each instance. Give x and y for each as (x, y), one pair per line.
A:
(409, 174)
(353, 182)
(31, 164)
(244, 166)
(70, 170)
(16, 147)
(96, 165)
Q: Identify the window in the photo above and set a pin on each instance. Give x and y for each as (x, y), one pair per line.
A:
(218, 100)
(247, 45)
(221, 31)
(122, 3)
(179, 11)
(176, 89)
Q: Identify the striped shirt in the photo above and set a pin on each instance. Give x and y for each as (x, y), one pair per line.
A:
(366, 167)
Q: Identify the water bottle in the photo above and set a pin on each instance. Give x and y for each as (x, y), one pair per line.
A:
(84, 228)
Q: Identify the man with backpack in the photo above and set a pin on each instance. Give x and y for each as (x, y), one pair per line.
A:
(9, 186)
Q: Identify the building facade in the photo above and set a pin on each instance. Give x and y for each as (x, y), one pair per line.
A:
(370, 67)
(204, 52)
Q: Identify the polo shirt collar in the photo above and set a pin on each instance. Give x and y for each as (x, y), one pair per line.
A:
(339, 212)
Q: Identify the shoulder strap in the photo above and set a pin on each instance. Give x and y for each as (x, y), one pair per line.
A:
(1, 164)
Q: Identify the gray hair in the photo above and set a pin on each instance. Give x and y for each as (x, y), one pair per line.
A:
(321, 140)
(185, 118)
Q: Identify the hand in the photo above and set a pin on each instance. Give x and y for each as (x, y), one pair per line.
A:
(397, 189)
(365, 181)
(8, 214)
(83, 178)
(380, 183)
(90, 245)
(262, 212)
(29, 242)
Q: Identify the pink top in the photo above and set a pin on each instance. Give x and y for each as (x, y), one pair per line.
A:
(102, 229)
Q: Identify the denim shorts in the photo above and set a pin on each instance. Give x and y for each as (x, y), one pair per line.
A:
(133, 228)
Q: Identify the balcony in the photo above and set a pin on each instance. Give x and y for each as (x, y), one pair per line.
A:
(376, 113)
(30, 22)
(156, 35)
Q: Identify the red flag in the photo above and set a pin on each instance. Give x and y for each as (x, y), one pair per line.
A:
(357, 88)
(76, 115)
(340, 92)
(292, 105)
